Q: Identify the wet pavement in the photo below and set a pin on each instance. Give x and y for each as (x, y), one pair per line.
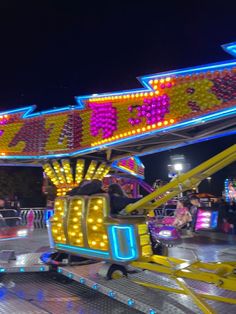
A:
(40, 293)
(207, 246)
(36, 241)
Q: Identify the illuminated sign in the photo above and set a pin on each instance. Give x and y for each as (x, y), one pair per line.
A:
(206, 219)
(132, 165)
(167, 101)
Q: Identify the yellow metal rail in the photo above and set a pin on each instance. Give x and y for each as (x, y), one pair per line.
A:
(185, 181)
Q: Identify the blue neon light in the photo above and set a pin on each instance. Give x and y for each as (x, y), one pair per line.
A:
(47, 214)
(191, 70)
(95, 286)
(131, 302)
(227, 198)
(230, 48)
(22, 269)
(28, 112)
(214, 219)
(126, 171)
(82, 280)
(137, 160)
(205, 139)
(144, 80)
(85, 251)
(128, 235)
(111, 294)
(2, 270)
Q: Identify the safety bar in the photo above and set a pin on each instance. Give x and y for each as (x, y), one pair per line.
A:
(185, 181)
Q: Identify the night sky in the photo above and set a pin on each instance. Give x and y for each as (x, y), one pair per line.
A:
(52, 51)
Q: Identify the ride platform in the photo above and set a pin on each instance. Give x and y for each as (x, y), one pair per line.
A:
(37, 290)
(23, 263)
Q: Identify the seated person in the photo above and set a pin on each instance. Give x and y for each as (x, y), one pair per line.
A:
(118, 199)
(87, 187)
(182, 214)
(195, 204)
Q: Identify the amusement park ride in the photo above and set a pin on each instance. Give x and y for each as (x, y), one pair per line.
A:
(110, 131)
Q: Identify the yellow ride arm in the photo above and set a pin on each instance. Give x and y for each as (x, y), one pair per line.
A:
(185, 181)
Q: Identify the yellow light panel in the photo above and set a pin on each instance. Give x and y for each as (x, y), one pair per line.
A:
(75, 231)
(96, 231)
(67, 171)
(79, 171)
(59, 171)
(51, 173)
(57, 221)
(91, 170)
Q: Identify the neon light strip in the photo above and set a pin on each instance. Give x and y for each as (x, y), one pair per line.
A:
(127, 171)
(198, 69)
(158, 150)
(144, 80)
(84, 251)
(230, 48)
(26, 111)
(130, 240)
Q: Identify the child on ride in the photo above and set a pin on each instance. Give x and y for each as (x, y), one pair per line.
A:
(182, 214)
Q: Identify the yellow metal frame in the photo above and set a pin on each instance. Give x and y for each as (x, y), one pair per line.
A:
(185, 181)
(222, 275)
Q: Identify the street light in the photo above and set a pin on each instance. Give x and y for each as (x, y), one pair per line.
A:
(178, 167)
(209, 179)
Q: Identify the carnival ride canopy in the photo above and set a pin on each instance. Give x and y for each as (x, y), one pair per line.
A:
(172, 109)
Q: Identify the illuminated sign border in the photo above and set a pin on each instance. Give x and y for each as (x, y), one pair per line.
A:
(27, 112)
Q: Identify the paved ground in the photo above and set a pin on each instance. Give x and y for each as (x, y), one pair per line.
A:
(36, 293)
(36, 241)
(206, 246)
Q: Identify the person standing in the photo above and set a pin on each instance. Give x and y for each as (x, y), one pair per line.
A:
(195, 204)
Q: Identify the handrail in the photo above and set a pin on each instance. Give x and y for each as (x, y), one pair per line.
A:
(185, 181)
(33, 208)
(5, 210)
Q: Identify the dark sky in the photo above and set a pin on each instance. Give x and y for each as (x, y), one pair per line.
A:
(53, 50)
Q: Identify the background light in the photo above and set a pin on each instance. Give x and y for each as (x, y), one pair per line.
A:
(178, 167)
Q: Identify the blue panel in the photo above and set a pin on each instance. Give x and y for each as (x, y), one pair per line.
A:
(214, 219)
(47, 214)
(123, 242)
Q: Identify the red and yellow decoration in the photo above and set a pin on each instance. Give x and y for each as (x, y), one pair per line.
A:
(101, 120)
